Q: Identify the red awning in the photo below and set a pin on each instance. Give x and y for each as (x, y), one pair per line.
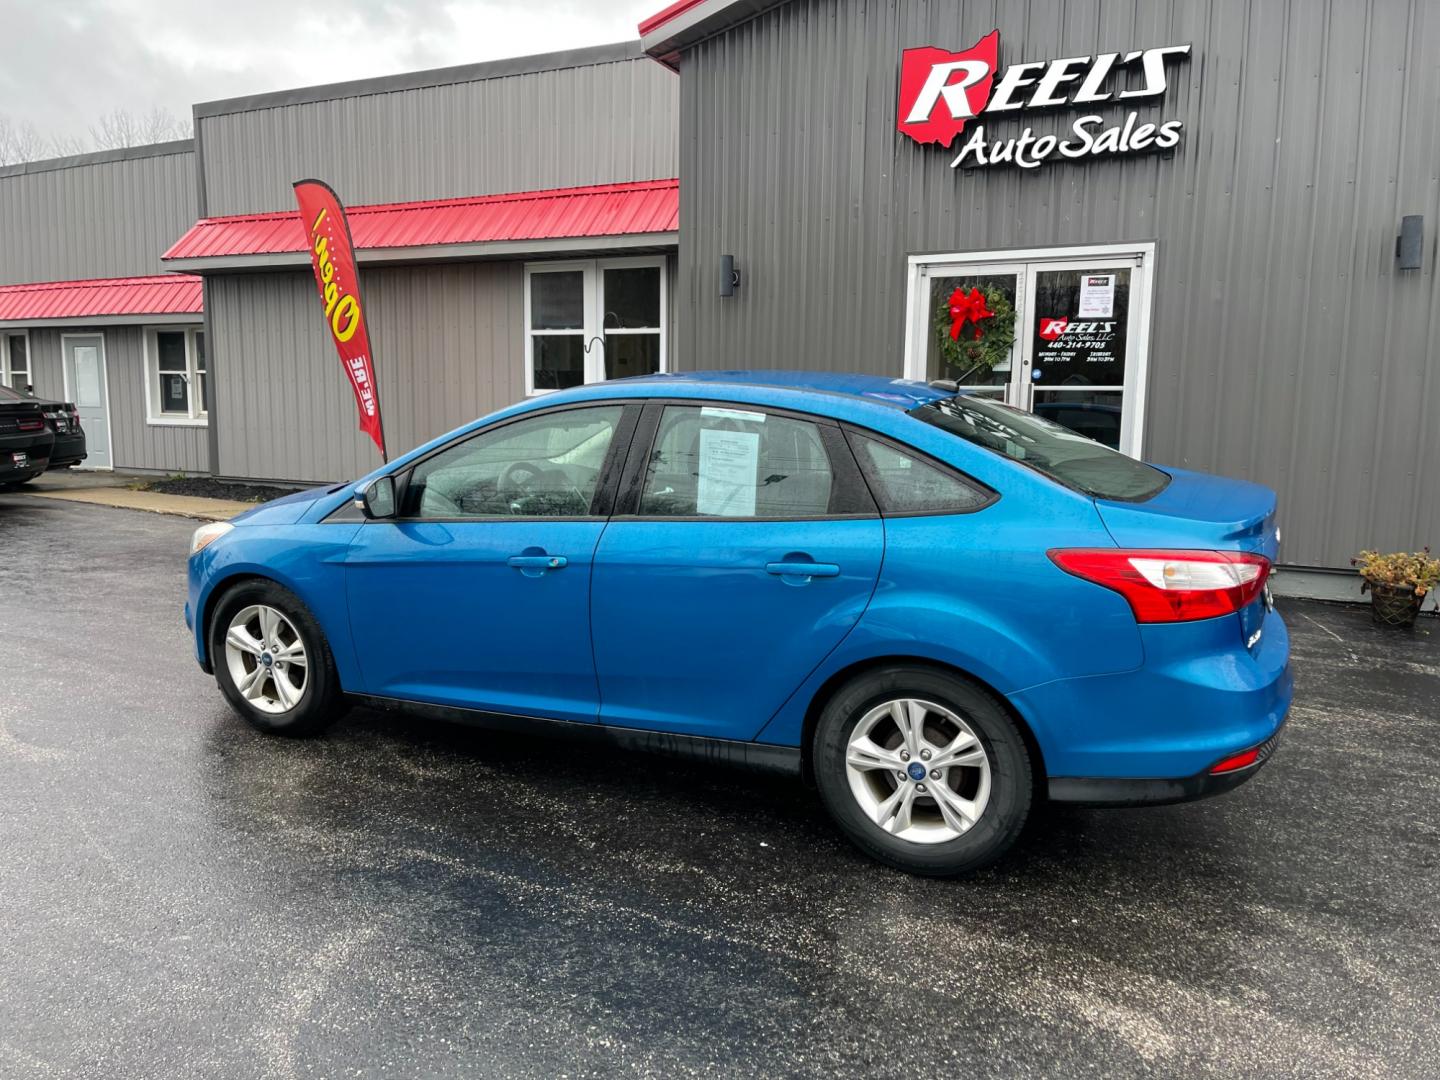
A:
(671, 11)
(163, 294)
(604, 210)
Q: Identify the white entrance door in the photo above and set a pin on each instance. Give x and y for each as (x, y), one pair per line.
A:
(1081, 320)
(85, 385)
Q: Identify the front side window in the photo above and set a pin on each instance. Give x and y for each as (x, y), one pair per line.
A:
(594, 320)
(1046, 447)
(15, 354)
(905, 484)
(542, 466)
(177, 390)
(712, 461)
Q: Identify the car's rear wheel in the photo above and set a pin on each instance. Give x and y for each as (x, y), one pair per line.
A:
(923, 769)
(272, 661)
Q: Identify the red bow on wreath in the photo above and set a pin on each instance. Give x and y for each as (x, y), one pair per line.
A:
(967, 308)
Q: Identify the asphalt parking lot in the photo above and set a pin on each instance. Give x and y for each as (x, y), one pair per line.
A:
(180, 896)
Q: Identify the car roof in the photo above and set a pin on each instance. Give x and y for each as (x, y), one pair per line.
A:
(871, 390)
(11, 394)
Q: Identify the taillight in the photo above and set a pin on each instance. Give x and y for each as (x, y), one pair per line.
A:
(1171, 586)
(1242, 760)
(32, 425)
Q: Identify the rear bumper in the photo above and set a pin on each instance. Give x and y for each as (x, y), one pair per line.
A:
(1106, 791)
(68, 450)
(1199, 696)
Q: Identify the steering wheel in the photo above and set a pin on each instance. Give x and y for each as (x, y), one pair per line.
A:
(518, 476)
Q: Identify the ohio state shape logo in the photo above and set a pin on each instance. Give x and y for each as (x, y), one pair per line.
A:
(942, 91)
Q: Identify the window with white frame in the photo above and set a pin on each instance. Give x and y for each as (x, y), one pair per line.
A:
(15, 361)
(593, 320)
(176, 385)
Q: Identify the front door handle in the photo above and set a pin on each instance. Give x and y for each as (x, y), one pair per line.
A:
(535, 565)
(802, 569)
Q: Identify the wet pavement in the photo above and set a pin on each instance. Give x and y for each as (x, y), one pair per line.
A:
(180, 896)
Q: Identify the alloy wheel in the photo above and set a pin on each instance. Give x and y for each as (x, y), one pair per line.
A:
(918, 770)
(266, 659)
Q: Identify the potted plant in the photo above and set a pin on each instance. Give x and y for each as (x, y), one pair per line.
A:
(1397, 583)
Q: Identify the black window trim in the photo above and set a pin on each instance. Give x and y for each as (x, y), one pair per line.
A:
(850, 486)
(873, 483)
(601, 502)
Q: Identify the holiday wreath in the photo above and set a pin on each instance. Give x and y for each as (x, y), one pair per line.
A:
(974, 329)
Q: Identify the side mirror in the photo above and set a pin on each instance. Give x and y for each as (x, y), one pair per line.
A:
(377, 499)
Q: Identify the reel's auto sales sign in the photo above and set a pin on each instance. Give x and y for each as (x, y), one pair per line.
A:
(941, 92)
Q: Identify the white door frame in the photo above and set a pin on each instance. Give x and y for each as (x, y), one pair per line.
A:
(99, 336)
(1137, 363)
(593, 316)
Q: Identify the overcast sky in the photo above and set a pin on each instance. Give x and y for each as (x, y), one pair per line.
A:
(69, 61)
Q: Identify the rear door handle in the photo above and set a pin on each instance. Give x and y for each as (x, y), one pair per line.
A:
(532, 564)
(799, 569)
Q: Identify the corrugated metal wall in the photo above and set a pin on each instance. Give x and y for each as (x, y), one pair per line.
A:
(95, 216)
(45, 369)
(596, 123)
(448, 345)
(137, 444)
(1287, 348)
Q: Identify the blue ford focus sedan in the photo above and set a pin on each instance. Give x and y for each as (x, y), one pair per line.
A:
(936, 608)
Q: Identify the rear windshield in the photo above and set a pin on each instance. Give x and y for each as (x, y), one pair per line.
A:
(1046, 447)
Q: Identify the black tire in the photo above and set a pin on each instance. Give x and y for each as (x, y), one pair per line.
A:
(322, 701)
(1011, 779)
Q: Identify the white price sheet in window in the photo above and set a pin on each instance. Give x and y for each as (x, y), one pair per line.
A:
(729, 464)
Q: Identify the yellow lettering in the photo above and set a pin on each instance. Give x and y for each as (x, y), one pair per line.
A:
(319, 218)
(332, 296)
(348, 310)
(327, 271)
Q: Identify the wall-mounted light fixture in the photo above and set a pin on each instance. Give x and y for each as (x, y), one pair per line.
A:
(729, 276)
(1408, 243)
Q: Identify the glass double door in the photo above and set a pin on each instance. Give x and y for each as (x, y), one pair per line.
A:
(1062, 338)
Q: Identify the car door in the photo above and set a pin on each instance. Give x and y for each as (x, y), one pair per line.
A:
(477, 594)
(743, 549)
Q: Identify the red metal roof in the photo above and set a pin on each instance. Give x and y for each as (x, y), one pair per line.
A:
(660, 18)
(163, 294)
(651, 206)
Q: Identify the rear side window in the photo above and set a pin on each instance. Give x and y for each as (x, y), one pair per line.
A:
(1048, 448)
(710, 461)
(905, 484)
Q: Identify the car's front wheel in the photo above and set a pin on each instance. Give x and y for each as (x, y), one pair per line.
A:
(923, 769)
(272, 661)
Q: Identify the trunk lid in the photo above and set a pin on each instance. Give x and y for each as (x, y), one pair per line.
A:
(1200, 511)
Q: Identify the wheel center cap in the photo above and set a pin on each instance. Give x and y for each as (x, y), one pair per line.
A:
(267, 660)
(916, 771)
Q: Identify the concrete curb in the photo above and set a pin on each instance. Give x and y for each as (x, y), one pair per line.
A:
(189, 506)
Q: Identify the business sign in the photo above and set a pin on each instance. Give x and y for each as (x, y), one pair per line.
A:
(942, 92)
(332, 255)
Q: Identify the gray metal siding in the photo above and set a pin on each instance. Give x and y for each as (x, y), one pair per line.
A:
(598, 123)
(449, 347)
(111, 217)
(138, 444)
(48, 377)
(1286, 346)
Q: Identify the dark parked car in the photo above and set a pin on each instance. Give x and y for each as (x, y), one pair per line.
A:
(25, 438)
(63, 421)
